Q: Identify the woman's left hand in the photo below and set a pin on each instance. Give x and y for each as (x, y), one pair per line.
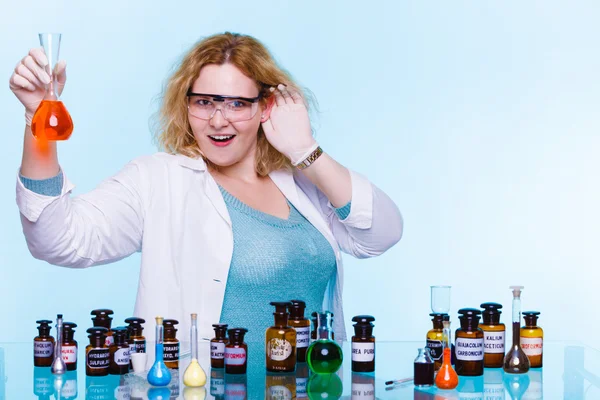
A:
(288, 125)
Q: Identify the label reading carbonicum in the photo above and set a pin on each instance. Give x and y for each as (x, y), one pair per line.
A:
(532, 346)
(363, 352)
(469, 349)
(217, 350)
(69, 354)
(98, 358)
(436, 349)
(171, 352)
(493, 342)
(235, 356)
(43, 349)
(279, 349)
(121, 356)
(302, 337)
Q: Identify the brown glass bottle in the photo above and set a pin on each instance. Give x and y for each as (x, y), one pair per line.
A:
(97, 356)
(236, 352)
(119, 352)
(217, 346)
(171, 344)
(302, 327)
(280, 341)
(494, 336)
(135, 335)
(69, 346)
(280, 386)
(43, 345)
(102, 318)
(532, 339)
(435, 339)
(363, 344)
(469, 343)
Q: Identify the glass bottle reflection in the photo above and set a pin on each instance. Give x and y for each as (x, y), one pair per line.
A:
(516, 385)
(363, 386)
(236, 387)
(217, 383)
(43, 383)
(302, 374)
(493, 389)
(324, 386)
(280, 386)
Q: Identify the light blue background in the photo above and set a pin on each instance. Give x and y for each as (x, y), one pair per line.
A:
(480, 119)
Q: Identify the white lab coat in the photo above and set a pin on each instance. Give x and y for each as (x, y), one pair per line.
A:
(170, 208)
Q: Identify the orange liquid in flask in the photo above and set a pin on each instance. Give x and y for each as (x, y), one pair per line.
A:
(52, 121)
(446, 377)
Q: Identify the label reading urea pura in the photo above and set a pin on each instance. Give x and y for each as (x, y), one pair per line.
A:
(171, 352)
(469, 349)
(121, 356)
(436, 349)
(532, 346)
(43, 349)
(98, 358)
(493, 342)
(217, 350)
(69, 354)
(302, 337)
(363, 391)
(363, 352)
(235, 356)
(279, 349)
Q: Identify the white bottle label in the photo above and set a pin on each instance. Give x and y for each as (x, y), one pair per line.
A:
(69, 389)
(532, 346)
(493, 342)
(217, 351)
(363, 352)
(301, 388)
(109, 340)
(69, 354)
(122, 393)
(121, 356)
(302, 337)
(436, 349)
(364, 391)
(235, 356)
(280, 393)
(43, 349)
(493, 391)
(469, 349)
(279, 349)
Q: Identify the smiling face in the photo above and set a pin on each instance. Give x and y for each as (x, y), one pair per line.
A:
(222, 142)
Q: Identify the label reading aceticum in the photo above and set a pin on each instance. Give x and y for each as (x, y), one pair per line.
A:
(235, 356)
(171, 351)
(302, 337)
(469, 349)
(121, 356)
(217, 351)
(98, 358)
(436, 349)
(493, 342)
(279, 349)
(363, 352)
(43, 349)
(532, 346)
(69, 354)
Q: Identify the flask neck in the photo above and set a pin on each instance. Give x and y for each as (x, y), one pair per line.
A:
(324, 330)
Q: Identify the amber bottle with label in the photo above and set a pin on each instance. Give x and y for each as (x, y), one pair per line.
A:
(69, 346)
(217, 346)
(363, 344)
(280, 341)
(302, 327)
(119, 352)
(43, 345)
(97, 356)
(469, 343)
(102, 318)
(532, 339)
(435, 338)
(135, 335)
(494, 335)
(171, 344)
(236, 352)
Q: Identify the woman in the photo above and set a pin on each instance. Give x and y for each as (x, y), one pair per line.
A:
(241, 209)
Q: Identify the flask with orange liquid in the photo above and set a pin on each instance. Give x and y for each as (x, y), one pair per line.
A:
(446, 377)
(51, 120)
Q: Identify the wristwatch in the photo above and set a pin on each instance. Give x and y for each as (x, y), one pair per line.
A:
(310, 159)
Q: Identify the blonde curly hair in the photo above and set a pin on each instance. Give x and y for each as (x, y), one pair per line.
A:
(173, 132)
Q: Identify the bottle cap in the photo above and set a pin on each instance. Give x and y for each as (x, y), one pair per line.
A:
(469, 313)
(102, 317)
(69, 325)
(220, 330)
(281, 306)
(530, 317)
(169, 325)
(119, 335)
(97, 331)
(44, 328)
(296, 309)
(135, 327)
(363, 320)
(491, 308)
(237, 334)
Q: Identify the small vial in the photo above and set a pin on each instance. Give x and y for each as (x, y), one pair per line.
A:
(236, 352)
(43, 345)
(102, 318)
(363, 344)
(97, 356)
(532, 339)
(119, 352)
(424, 369)
(435, 339)
(494, 336)
(69, 346)
(302, 327)
(217, 346)
(469, 343)
(171, 352)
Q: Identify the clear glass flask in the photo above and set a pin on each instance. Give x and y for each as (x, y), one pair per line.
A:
(440, 299)
(324, 355)
(516, 361)
(51, 120)
(159, 374)
(194, 375)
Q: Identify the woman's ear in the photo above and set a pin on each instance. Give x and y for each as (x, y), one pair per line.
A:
(266, 112)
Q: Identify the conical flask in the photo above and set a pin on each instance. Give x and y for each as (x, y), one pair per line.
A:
(51, 120)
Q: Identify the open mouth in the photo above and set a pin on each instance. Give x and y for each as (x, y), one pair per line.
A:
(221, 140)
